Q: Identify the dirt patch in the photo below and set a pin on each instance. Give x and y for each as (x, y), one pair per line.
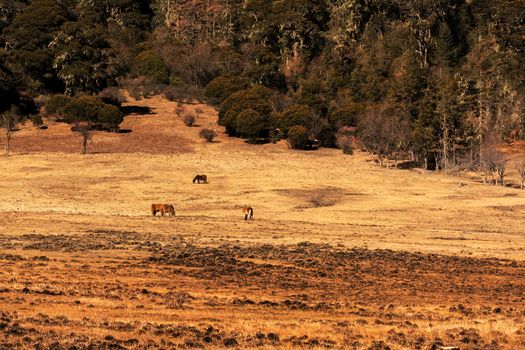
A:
(371, 276)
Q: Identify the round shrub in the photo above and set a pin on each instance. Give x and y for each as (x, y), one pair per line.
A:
(296, 115)
(222, 87)
(256, 98)
(299, 137)
(251, 124)
(208, 134)
(189, 119)
(84, 108)
(110, 117)
(151, 65)
(346, 115)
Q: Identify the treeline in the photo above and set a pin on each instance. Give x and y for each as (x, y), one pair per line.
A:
(428, 80)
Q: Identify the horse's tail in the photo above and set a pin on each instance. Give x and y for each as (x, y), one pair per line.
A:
(251, 213)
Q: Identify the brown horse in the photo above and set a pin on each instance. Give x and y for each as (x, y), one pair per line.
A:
(162, 208)
(248, 213)
(200, 179)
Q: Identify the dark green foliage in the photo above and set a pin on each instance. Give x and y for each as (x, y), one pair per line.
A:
(451, 69)
(82, 109)
(151, 65)
(37, 120)
(299, 137)
(251, 124)
(109, 117)
(295, 115)
(57, 104)
(256, 98)
(346, 115)
(222, 87)
(86, 108)
(29, 37)
(7, 88)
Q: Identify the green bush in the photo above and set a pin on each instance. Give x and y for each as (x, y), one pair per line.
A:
(37, 120)
(110, 117)
(57, 104)
(256, 98)
(222, 87)
(346, 115)
(295, 115)
(251, 124)
(151, 65)
(83, 109)
(299, 137)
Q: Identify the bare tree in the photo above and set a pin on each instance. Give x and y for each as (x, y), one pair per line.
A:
(491, 164)
(9, 121)
(384, 132)
(521, 171)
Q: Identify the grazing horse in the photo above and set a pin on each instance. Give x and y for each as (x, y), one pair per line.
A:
(248, 213)
(200, 179)
(162, 208)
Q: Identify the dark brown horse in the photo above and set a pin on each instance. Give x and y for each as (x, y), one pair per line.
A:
(200, 179)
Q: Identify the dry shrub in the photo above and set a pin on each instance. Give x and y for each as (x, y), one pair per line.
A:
(112, 96)
(346, 139)
(179, 111)
(189, 119)
(208, 134)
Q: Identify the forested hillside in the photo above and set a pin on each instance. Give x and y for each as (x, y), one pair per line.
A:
(435, 81)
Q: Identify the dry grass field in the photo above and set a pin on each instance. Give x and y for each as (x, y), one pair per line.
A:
(340, 254)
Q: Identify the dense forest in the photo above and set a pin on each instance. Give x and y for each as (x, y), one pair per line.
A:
(433, 81)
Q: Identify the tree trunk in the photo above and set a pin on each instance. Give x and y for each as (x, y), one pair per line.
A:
(8, 142)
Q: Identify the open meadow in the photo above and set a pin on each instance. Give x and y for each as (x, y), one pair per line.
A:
(340, 254)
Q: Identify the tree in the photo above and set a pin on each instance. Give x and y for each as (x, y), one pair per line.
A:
(109, 117)
(384, 132)
(149, 64)
(57, 104)
(29, 37)
(84, 108)
(299, 137)
(9, 120)
(346, 115)
(222, 87)
(521, 171)
(295, 115)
